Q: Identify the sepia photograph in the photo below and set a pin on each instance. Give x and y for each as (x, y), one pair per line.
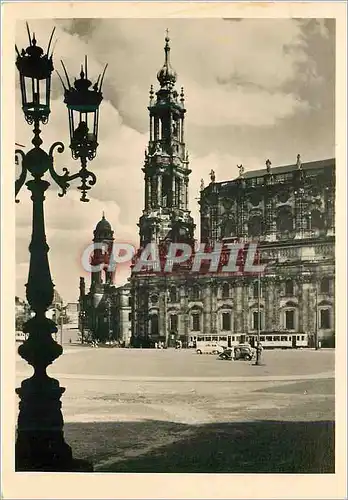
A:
(175, 222)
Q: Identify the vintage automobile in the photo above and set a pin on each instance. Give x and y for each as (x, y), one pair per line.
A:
(242, 352)
(209, 348)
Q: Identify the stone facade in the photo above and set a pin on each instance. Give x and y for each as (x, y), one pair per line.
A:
(289, 212)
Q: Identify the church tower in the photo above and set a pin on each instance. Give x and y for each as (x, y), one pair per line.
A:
(166, 217)
(104, 235)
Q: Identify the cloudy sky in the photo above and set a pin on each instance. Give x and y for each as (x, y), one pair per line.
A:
(255, 89)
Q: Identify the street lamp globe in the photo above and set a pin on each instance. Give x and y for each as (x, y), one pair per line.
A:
(35, 72)
(83, 101)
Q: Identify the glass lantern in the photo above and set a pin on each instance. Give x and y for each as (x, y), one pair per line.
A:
(83, 101)
(35, 71)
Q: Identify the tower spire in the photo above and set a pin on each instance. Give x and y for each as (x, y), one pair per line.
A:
(167, 48)
(166, 75)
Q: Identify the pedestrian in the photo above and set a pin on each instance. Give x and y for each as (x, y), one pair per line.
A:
(233, 354)
(156, 345)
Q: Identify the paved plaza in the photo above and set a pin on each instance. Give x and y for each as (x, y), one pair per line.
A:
(133, 410)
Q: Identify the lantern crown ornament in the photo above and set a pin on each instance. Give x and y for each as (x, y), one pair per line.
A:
(83, 100)
(81, 97)
(33, 62)
(35, 69)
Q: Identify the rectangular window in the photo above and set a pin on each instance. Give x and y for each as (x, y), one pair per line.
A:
(302, 337)
(226, 321)
(214, 339)
(283, 339)
(298, 337)
(262, 339)
(233, 339)
(276, 339)
(290, 320)
(256, 320)
(196, 322)
(325, 323)
(130, 317)
(269, 338)
(223, 338)
(174, 323)
(289, 288)
(325, 285)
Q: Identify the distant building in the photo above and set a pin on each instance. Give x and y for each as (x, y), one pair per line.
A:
(22, 312)
(72, 314)
(105, 311)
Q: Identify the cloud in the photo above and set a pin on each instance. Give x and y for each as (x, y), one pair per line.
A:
(225, 50)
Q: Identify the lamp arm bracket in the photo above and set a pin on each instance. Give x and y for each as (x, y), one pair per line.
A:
(61, 180)
(23, 175)
(88, 179)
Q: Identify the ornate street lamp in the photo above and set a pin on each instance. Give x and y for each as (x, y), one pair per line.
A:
(40, 444)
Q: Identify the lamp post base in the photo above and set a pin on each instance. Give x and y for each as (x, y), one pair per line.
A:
(40, 444)
(46, 452)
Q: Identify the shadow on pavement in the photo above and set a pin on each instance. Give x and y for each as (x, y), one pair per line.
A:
(242, 447)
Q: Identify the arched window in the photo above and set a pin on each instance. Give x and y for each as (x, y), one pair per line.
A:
(229, 228)
(225, 291)
(317, 220)
(284, 219)
(289, 319)
(325, 285)
(289, 288)
(256, 289)
(255, 226)
(325, 318)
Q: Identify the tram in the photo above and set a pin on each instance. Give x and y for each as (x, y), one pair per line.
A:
(268, 340)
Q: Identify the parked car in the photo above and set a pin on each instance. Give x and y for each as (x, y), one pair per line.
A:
(227, 354)
(240, 352)
(208, 348)
(244, 352)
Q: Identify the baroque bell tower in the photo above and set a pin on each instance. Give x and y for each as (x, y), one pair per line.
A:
(166, 217)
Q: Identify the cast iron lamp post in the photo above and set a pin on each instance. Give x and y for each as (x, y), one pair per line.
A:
(40, 444)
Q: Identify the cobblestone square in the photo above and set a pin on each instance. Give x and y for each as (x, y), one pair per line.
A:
(133, 410)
